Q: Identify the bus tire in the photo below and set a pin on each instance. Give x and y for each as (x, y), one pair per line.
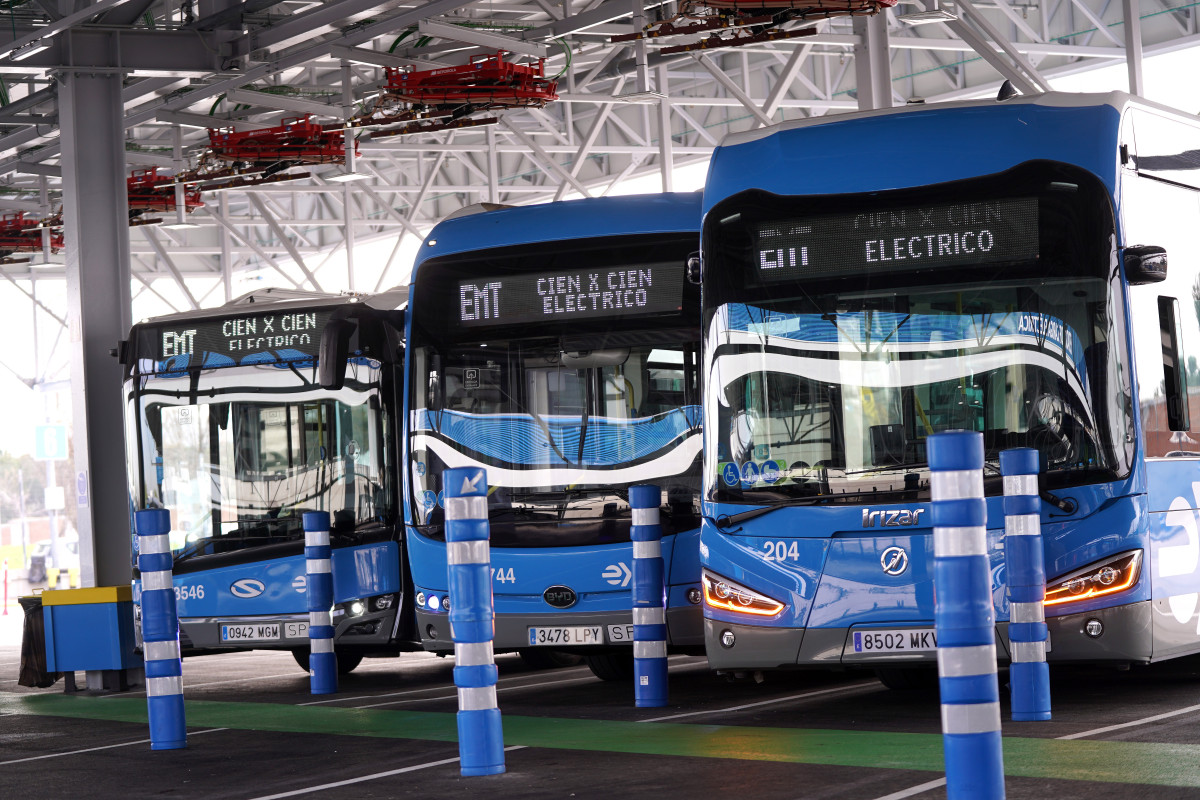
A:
(537, 658)
(903, 679)
(346, 661)
(611, 666)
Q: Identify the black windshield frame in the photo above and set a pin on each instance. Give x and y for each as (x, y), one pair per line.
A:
(1076, 239)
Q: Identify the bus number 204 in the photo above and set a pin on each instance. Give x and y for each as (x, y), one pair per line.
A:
(781, 551)
(502, 575)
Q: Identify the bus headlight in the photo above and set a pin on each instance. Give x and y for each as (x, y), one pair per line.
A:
(727, 595)
(1107, 576)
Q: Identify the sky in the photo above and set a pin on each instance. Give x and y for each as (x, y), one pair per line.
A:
(1169, 79)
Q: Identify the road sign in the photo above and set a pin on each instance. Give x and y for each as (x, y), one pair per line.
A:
(50, 442)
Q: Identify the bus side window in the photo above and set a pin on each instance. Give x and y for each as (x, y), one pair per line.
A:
(1174, 372)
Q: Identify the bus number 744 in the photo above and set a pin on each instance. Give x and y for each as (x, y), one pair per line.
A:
(502, 575)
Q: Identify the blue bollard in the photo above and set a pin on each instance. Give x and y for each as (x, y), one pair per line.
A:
(649, 599)
(468, 559)
(160, 631)
(964, 619)
(318, 566)
(1029, 674)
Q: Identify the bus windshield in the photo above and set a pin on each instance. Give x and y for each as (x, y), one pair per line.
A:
(1004, 318)
(239, 457)
(563, 434)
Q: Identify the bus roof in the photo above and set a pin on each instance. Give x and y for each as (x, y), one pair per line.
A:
(284, 299)
(918, 145)
(589, 217)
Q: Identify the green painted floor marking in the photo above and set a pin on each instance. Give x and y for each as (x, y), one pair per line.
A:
(1099, 761)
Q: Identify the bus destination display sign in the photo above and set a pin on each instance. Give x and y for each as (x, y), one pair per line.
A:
(895, 240)
(569, 294)
(236, 338)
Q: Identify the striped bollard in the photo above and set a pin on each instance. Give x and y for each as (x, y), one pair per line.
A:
(318, 567)
(468, 559)
(649, 599)
(964, 619)
(160, 631)
(1029, 674)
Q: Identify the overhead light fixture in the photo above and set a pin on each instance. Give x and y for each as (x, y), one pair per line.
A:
(940, 12)
(346, 177)
(640, 97)
(179, 225)
(25, 51)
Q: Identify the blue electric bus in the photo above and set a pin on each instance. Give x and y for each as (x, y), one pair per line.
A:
(996, 266)
(558, 347)
(240, 419)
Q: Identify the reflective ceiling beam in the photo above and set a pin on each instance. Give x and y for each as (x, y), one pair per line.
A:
(362, 55)
(543, 160)
(666, 141)
(476, 36)
(1093, 18)
(151, 237)
(191, 120)
(253, 245)
(284, 239)
(731, 87)
(1024, 27)
(787, 75)
(589, 140)
(1027, 71)
(284, 102)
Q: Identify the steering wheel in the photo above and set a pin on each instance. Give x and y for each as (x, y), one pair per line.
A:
(1052, 429)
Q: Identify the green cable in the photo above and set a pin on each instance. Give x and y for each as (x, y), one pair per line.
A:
(3, 92)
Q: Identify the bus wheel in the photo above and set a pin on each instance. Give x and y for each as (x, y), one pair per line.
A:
(536, 658)
(611, 666)
(346, 661)
(901, 679)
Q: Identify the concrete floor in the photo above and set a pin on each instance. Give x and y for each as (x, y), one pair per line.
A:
(255, 732)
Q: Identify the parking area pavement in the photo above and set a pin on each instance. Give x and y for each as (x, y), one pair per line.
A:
(254, 731)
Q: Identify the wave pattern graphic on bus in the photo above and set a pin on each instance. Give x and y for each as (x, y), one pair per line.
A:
(520, 439)
(886, 329)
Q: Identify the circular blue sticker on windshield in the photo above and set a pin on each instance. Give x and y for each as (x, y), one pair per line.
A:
(749, 473)
(421, 468)
(770, 471)
(730, 474)
(428, 499)
(441, 499)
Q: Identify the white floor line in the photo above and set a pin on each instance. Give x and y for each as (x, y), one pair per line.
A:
(365, 778)
(912, 791)
(188, 687)
(873, 684)
(102, 747)
(1134, 723)
(418, 691)
(498, 689)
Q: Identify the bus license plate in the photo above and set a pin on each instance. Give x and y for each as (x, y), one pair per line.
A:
(904, 641)
(250, 633)
(567, 635)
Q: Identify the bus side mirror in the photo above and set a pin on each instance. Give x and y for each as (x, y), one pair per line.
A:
(1145, 263)
(335, 349)
(693, 269)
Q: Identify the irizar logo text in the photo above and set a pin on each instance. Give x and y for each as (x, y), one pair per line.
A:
(891, 519)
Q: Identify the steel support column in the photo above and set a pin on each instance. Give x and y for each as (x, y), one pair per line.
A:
(92, 120)
(871, 63)
(1133, 44)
